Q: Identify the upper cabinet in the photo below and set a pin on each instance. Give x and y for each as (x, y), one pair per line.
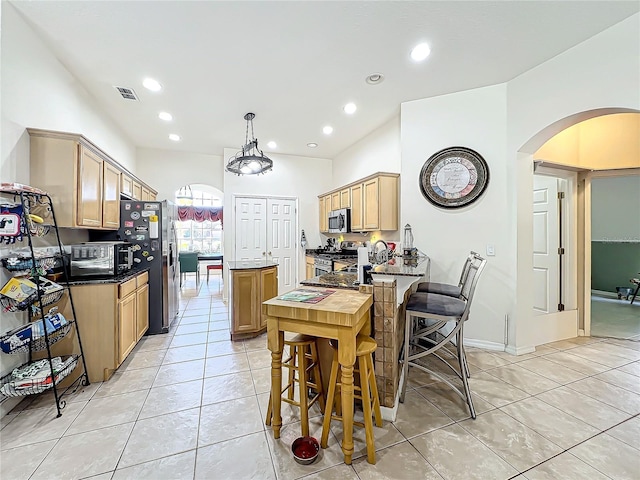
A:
(83, 181)
(373, 202)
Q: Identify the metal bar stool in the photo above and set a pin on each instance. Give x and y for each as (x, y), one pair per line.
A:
(367, 392)
(427, 314)
(303, 358)
(446, 288)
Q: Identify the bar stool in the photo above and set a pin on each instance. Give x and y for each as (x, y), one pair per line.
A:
(368, 393)
(303, 358)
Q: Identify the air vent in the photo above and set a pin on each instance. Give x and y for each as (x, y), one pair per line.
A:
(127, 93)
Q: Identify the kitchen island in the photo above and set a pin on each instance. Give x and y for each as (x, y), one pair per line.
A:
(341, 315)
(250, 284)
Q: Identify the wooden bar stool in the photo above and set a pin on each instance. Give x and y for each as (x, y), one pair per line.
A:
(303, 358)
(367, 392)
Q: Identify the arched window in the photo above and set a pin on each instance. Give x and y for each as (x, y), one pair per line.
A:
(198, 235)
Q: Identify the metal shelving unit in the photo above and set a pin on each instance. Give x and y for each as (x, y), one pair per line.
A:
(43, 329)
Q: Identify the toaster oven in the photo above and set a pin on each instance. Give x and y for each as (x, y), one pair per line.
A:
(101, 259)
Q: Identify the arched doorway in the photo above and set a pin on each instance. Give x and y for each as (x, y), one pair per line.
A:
(579, 147)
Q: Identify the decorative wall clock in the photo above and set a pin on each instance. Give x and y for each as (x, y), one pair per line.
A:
(454, 177)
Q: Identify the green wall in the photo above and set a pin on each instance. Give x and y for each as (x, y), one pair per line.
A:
(613, 264)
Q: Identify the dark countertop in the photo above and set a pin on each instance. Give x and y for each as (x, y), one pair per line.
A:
(334, 255)
(103, 280)
(250, 265)
(333, 280)
(414, 269)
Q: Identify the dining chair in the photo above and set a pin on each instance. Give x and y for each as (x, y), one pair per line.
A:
(216, 266)
(427, 316)
(189, 264)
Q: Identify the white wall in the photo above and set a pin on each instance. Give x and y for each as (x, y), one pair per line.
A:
(167, 170)
(615, 205)
(301, 177)
(38, 92)
(377, 152)
(475, 119)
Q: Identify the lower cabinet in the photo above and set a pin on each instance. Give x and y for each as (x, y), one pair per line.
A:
(310, 268)
(112, 318)
(250, 287)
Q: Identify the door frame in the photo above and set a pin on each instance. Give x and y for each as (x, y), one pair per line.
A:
(584, 232)
(235, 196)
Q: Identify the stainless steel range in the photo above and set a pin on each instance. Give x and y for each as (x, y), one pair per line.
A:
(322, 265)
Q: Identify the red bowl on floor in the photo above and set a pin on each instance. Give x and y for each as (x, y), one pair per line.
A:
(305, 450)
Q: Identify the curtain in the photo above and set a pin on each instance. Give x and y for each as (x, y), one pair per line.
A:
(199, 214)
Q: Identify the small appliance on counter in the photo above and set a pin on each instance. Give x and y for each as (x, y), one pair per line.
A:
(409, 252)
(101, 259)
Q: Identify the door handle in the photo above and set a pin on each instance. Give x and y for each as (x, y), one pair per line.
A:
(263, 254)
(269, 253)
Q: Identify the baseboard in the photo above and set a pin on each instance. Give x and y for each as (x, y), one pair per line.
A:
(519, 350)
(602, 293)
(581, 332)
(470, 342)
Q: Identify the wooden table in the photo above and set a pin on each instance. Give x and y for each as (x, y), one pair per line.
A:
(342, 315)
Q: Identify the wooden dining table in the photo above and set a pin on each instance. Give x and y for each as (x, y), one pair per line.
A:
(341, 315)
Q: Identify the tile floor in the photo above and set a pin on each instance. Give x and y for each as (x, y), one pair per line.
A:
(191, 404)
(615, 318)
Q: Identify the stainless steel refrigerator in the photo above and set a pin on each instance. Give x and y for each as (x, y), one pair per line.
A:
(150, 227)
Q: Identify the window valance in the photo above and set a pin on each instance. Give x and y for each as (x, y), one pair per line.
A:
(199, 214)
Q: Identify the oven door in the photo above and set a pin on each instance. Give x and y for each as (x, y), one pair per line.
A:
(320, 270)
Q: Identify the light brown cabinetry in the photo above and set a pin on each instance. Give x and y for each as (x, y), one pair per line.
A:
(310, 268)
(112, 318)
(146, 195)
(110, 196)
(89, 195)
(137, 190)
(356, 208)
(345, 198)
(335, 201)
(126, 185)
(249, 287)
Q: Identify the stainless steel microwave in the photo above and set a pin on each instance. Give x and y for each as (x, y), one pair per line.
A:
(101, 259)
(340, 221)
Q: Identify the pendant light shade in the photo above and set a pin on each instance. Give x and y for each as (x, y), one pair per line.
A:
(250, 160)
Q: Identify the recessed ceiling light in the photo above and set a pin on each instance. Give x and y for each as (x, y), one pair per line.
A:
(272, 144)
(151, 84)
(166, 116)
(350, 108)
(174, 137)
(374, 79)
(420, 52)
(312, 145)
(327, 130)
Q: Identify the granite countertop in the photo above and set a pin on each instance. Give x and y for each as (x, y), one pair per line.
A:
(334, 255)
(333, 280)
(249, 265)
(103, 280)
(398, 266)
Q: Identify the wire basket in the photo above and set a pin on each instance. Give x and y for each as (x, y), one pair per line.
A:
(11, 305)
(17, 264)
(21, 340)
(12, 387)
(39, 229)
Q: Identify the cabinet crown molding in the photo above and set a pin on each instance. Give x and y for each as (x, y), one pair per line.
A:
(359, 181)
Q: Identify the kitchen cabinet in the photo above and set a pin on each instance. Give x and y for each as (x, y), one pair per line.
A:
(248, 288)
(310, 268)
(146, 196)
(345, 198)
(327, 209)
(373, 202)
(83, 181)
(112, 318)
(152, 196)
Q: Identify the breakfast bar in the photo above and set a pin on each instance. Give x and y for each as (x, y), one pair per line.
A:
(341, 315)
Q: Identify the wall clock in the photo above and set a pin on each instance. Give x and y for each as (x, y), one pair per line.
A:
(454, 177)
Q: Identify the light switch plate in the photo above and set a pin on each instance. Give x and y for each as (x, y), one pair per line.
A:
(491, 250)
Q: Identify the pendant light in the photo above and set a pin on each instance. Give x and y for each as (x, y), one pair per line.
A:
(250, 160)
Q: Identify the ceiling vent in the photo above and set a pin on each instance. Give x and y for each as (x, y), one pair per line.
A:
(127, 93)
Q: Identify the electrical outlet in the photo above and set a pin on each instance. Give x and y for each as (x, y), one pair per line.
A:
(491, 250)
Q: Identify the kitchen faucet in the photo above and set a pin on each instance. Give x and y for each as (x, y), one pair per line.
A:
(385, 252)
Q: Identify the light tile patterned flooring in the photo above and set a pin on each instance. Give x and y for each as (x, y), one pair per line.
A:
(611, 317)
(191, 405)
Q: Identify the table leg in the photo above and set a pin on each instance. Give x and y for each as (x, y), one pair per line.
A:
(347, 358)
(275, 342)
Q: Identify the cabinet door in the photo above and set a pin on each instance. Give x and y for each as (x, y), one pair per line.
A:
(345, 198)
(246, 314)
(126, 185)
(371, 205)
(356, 208)
(127, 336)
(268, 290)
(111, 197)
(142, 310)
(335, 201)
(89, 196)
(310, 269)
(152, 196)
(137, 190)
(321, 215)
(146, 196)
(327, 210)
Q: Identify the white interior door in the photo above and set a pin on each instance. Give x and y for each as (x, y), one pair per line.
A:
(281, 241)
(546, 263)
(251, 229)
